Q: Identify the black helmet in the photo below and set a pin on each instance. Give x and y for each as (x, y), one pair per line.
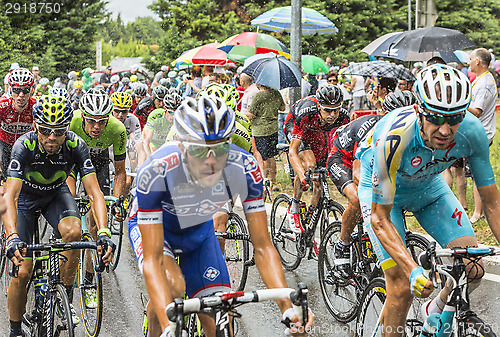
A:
(140, 90)
(159, 93)
(398, 99)
(329, 95)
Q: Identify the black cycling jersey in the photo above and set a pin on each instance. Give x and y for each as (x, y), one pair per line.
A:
(42, 173)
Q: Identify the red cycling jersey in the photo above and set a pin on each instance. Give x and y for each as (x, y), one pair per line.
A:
(14, 124)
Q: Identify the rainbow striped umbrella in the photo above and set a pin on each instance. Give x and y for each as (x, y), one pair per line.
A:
(241, 46)
(280, 20)
(207, 54)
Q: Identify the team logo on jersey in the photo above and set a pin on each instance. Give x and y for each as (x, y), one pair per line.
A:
(87, 164)
(254, 170)
(416, 161)
(211, 273)
(218, 188)
(375, 179)
(14, 165)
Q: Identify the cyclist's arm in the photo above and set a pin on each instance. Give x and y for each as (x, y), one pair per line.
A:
(356, 164)
(267, 258)
(147, 136)
(295, 161)
(96, 199)
(491, 203)
(13, 188)
(120, 177)
(153, 270)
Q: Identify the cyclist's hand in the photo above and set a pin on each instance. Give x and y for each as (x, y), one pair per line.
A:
(297, 328)
(105, 240)
(167, 333)
(118, 215)
(420, 285)
(304, 185)
(13, 251)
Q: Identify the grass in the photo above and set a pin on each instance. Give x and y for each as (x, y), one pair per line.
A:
(481, 228)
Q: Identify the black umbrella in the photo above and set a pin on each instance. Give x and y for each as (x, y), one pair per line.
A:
(379, 69)
(432, 39)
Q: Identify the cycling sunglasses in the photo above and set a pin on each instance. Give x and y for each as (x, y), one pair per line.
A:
(58, 132)
(437, 119)
(121, 111)
(101, 122)
(204, 150)
(25, 90)
(329, 110)
(171, 111)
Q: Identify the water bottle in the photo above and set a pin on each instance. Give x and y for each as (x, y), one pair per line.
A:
(310, 212)
(431, 325)
(40, 290)
(365, 240)
(302, 212)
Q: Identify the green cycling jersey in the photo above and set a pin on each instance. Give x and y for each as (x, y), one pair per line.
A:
(158, 123)
(114, 135)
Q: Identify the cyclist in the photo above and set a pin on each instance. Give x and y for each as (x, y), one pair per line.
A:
(159, 123)
(77, 94)
(344, 170)
(135, 151)
(180, 187)
(140, 91)
(41, 160)
(149, 104)
(400, 170)
(100, 131)
(308, 127)
(43, 87)
(15, 112)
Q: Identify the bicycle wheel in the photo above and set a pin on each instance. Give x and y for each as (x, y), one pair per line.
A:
(6, 276)
(90, 289)
(285, 241)
(372, 303)
(30, 323)
(60, 313)
(116, 228)
(236, 253)
(474, 326)
(340, 295)
(3, 248)
(332, 213)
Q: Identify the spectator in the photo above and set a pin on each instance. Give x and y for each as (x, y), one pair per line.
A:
(87, 79)
(328, 61)
(263, 115)
(36, 72)
(193, 85)
(285, 94)
(357, 88)
(159, 75)
(214, 78)
(344, 64)
(482, 106)
(305, 86)
(13, 66)
(377, 95)
(115, 86)
(249, 93)
(105, 79)
(403, 85)
(73, 77)
(61, 82)
(207, 71)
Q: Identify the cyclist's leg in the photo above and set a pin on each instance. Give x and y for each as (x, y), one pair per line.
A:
(308, 162)
(220, 222)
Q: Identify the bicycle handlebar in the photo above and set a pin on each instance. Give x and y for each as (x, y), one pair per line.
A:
(227, 301)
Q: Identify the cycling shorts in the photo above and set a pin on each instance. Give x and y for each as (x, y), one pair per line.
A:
(55, 206)
(435, 207)
(339, 172)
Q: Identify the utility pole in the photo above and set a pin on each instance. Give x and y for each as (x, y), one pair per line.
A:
(409, 14)
(296, 44)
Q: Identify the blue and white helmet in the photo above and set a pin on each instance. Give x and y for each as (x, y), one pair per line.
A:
(59, 92)
(442, 89)
(203, 119)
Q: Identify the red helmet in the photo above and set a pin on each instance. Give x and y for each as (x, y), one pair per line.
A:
(21, 76)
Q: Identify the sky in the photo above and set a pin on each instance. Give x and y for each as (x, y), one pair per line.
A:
(130, 9)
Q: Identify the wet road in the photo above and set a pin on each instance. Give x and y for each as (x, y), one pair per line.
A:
(123, 308)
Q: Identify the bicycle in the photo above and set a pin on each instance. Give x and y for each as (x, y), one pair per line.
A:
(293, 247)
(340, 294)
(223, 306)
(373, 299)
(48, 308)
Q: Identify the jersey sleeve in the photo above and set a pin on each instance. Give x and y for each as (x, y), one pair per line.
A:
(254, 201)
(20, 157)
(151, 189)
(479, 160)
(120, 142)
(82, 156)
(152, 118)
(388, 150)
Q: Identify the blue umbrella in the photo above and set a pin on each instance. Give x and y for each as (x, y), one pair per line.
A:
(280, 20)
(273, 71)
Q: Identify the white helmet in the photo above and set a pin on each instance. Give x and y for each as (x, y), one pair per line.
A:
(96, 102)
(443, 89)
(115, 79)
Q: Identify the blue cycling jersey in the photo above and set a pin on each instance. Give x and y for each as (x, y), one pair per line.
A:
(396, 159)
(167, 195)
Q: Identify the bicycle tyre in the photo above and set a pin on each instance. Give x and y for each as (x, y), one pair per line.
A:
(30, 325)
(91, 317)
(3, 248)
(473, 326)
(285, 241)
(236, 253)
(116, 228)
(340, 295)
(371, 305)
(332, 214)
(60, 310)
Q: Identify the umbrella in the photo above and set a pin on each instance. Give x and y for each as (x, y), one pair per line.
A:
(243, 45)
(380, 69)
(280, 20)
(313, 65)
(273, 71)
(432, 39)
(381, 46)
(208, 54)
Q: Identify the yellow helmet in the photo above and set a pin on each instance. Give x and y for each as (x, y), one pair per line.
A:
(133, 78)
(121, 100)
(78, 84)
